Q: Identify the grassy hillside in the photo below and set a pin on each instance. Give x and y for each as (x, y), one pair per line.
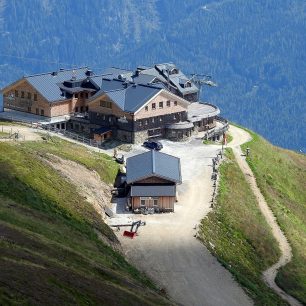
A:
(50, 249)
(238, 235)
(281, 176)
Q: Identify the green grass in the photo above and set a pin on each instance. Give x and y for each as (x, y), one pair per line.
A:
(9, 123)
(237, 234)
(4, 134)
(50, 251)
(209, 142)
(281, 176)
(229, 138)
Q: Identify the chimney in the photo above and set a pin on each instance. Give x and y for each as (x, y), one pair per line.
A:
(73, 77)
(89, 72)
(54, 73)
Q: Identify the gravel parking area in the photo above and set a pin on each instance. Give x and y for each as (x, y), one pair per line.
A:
(166, 248)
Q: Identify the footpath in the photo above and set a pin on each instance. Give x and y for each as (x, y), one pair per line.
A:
(270, 274)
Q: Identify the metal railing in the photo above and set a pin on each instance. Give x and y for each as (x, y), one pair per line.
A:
(217, 131)
(71, 135)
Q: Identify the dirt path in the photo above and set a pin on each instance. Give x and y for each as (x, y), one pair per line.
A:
(270, 274)
(25, 133)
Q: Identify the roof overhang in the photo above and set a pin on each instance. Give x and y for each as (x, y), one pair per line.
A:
(9, 87)
(153, 191)
(154, 175)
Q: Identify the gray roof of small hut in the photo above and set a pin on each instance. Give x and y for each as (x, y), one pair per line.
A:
(153, 163)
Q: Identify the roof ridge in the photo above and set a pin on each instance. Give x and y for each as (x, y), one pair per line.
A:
(44, 73)
(113, 90)
(153, 161)
(119, 68)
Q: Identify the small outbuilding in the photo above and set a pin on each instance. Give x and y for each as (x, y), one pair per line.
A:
(152, 178)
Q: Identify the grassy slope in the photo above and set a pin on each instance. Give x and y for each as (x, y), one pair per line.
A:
(238, 235)
(49, 247)
(281, 176)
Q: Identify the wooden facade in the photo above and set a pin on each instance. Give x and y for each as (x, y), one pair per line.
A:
(22, 96)
(160, 203)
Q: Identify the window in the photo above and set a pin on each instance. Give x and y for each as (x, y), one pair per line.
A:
(81, 109)
(16, 93)
(153, 105)
(22, 94)
(146, 122)
(35, 97)
(76, 95)
(155, 201)
(29, 109)
(146, 108)
(168, 103)
(76, 109)
(86, 109)
(42, 112)
(37, 111)
(140, 123)
(160, 118)
(29, 95)
(86, 95)
(143, 201)
(153, 120)
(161, 104)
(81, 95)
(175, 103)
(105, 104)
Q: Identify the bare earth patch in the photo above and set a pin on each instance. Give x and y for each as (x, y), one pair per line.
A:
(87, 182)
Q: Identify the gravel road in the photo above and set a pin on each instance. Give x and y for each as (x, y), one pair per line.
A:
(166, 248)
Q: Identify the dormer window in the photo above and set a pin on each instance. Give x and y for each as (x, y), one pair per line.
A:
(187, 84)
(174, 71)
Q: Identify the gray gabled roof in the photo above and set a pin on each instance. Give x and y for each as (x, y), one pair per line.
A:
(153, 191)
(128, 96)
(46, 83)
(176, 79)
(153, 163)
(114, 72)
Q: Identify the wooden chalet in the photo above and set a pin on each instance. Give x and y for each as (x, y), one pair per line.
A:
(152, 178)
